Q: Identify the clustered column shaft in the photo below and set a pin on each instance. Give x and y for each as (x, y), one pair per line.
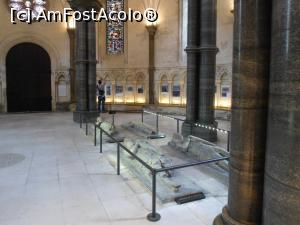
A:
(201, 58)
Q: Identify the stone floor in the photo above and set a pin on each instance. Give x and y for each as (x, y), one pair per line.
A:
(51, 174)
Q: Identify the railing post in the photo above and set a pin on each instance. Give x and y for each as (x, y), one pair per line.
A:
(153, 216)
(118, 159)
(95, 135)
(142, 116)
(157, 129)
(80, 120)
(177, 126)
(101, 134)
(86, 129)
(228, 140)
(113, 119)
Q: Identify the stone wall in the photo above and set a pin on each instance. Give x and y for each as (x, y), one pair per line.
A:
(127, 68)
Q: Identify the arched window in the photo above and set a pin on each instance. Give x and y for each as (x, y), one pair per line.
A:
(176, 86)
(164, 90)
(140, 88)
(176, 90)
(164, 85)
(225, 92)
(130, 89)
(108, 81)
(119, 91)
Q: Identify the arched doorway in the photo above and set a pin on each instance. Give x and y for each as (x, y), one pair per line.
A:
(28, 76)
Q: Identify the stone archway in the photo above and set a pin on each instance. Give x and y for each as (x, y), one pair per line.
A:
(28, 77)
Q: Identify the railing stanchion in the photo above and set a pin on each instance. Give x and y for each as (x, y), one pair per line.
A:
(228, 140)
(80, 120)
(95, 135)
(177, 126)
(142, 116)
(118, 159)
(86, 129)
(157, 118)
(101, 134)
(153, 216)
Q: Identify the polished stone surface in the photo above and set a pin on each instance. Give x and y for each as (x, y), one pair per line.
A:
(63, 179)
(249, 113)
(201, 68)
(282, 177)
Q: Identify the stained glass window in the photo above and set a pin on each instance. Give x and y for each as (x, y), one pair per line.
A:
(114, 28)
(36, 6)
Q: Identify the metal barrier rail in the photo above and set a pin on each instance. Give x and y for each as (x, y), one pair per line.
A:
(153, 216)
(192, 125)
(178, 120)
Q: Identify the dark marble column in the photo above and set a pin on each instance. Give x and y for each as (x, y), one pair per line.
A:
(85, 62)
(192, 51)
(92, 66)
(249, 113)
(207, 69)
(282, 171)
(71, 32)
(81, 66)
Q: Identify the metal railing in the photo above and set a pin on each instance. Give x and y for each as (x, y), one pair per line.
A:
(153, 216)
(178, 120)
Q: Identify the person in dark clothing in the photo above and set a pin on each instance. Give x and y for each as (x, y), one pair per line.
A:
(101, 95)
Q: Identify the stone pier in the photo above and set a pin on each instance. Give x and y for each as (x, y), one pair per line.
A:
(282, 171)
(249, 113)
(85, 63)
(201, 60)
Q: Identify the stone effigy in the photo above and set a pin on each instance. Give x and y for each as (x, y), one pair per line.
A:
(170, 184)
(142, 130)
(106, 126)
(200, 150)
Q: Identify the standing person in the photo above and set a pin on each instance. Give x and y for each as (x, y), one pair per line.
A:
(101, 95)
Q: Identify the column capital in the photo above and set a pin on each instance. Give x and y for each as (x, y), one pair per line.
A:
(151, 29)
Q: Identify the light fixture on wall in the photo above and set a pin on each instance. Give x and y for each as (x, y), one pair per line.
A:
(232, 6)
(71, 24)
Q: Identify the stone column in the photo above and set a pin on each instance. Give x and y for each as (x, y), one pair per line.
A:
(249, 113)
(282, 171)
(85, 63)
(192, 51)
(207, 69)
(81, 67)
(152, 30)
(92, 65)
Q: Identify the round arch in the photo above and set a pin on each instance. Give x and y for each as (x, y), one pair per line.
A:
(16, 38)
(28, 78)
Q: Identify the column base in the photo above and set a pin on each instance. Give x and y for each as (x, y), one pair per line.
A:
(186, 129)
(85, 116)
(206, 134)
(225, 219)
